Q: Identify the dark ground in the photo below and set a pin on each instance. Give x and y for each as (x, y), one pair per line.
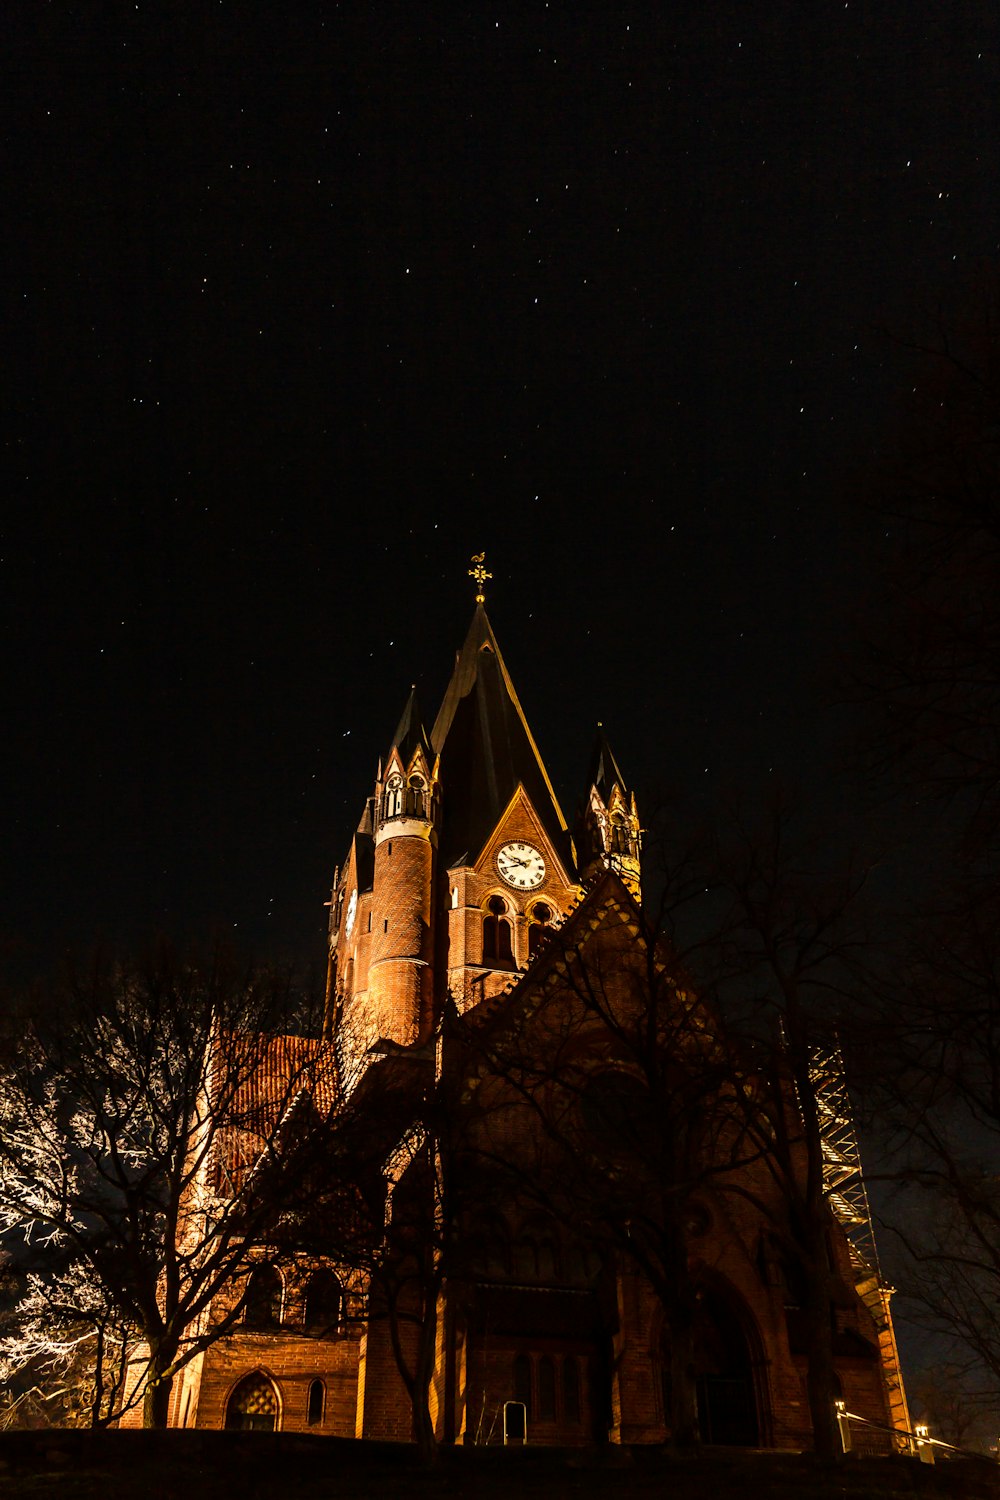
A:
(229, 1466)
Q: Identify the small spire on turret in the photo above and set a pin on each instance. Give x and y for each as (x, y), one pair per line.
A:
(608, 834)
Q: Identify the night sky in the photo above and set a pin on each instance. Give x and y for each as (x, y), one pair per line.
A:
(309, 303)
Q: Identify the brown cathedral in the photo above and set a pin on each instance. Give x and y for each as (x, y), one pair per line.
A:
(463, 909)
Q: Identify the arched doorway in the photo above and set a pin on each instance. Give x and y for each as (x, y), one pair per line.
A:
(253, 1405)
(727, 1396)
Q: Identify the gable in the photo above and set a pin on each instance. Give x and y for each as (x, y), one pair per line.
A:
(520, 823)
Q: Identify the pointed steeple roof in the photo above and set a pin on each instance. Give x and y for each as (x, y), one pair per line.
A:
(410, 733)
(487, 750)
(604, 772)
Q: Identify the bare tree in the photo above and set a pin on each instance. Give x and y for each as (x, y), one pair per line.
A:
(69, 1343)
(939, 1113)
(383, 1189)
(141, 1141)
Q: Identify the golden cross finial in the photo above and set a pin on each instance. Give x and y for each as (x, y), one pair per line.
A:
(479, 573)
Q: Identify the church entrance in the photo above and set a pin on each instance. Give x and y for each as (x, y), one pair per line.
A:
(253, 1405)
(727, 1397)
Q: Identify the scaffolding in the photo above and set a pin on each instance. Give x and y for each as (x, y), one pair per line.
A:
(844, 1183)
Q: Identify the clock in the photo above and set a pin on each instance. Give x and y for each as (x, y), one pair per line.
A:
(521, 866)
(352, 907)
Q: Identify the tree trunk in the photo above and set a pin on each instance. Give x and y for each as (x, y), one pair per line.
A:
(156, 1397)
(820, 1385)
(423, 1425)
(683, 1411)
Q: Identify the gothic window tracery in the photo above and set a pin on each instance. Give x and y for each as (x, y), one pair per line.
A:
(620, 841)
(392, 797)
(253, 1405)
(416, 797)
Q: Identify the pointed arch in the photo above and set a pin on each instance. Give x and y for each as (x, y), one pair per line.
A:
(264, 1296)
(253, 1405)
(324, 1303)
(730, 1368)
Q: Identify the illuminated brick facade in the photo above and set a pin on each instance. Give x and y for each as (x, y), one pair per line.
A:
(462, 887)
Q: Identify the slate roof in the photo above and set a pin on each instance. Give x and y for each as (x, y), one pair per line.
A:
(604, 772)
(486, 751)
(410, 733)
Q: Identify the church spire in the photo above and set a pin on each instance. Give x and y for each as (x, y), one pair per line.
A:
(608, 833)
(411, 735)
(487, 750)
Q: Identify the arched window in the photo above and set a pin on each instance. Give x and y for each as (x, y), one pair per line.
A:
(392, 797)
(253, 1406)
(497, 947)
(416, 796)
(324, 1302)
(620, 842)
(546, 1389)
(262, 1309)
(539, 929)
(317, 1400)
(571, 1389)
(522, 1381)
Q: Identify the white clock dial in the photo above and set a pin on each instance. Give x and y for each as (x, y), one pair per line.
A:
(521, 866)
(352, 907)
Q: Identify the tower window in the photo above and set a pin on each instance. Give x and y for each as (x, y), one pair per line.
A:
(620, 842)
(497, 946)
(392, 797)
(262, 1309)
(416, 796)
(323, 1303)
(539, 928)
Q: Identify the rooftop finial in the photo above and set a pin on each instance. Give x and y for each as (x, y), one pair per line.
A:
(479, 573)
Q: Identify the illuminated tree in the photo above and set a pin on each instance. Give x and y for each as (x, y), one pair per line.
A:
(141, 1142)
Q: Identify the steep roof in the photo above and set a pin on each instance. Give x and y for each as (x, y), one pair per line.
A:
(604, 772)
(410, 733)
(487, 750)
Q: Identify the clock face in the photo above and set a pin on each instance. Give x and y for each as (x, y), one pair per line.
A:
(521, 866)
(352, 907)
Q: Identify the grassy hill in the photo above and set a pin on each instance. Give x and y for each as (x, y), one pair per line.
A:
(260, 1466)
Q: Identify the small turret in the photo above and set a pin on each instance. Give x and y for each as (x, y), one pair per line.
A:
(406, 817)
(608, 834)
